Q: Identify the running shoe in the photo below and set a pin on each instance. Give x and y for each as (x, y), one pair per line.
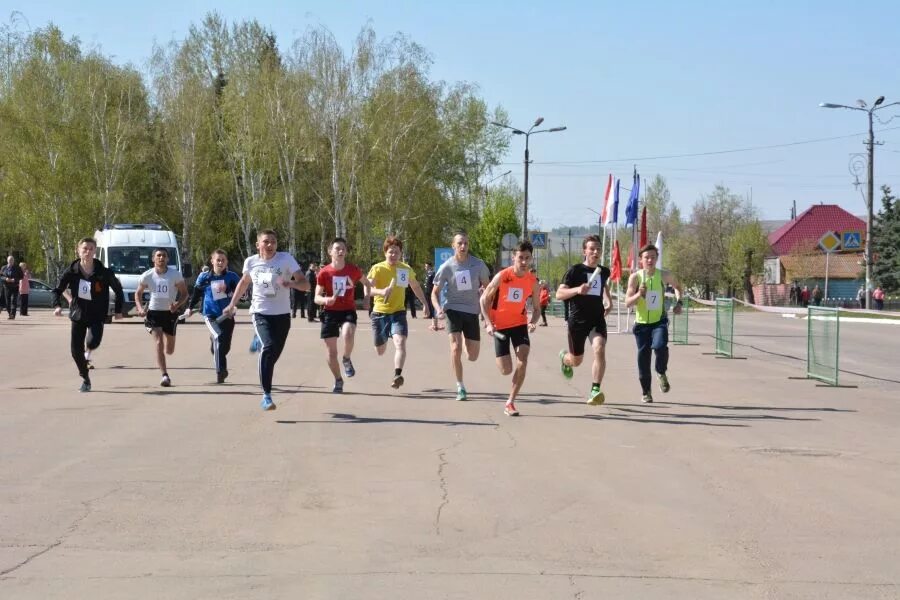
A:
(664, 386)
(349, 371)
(85, 386)
(267, 403)
(510, 410)
(397, 382)
(338, 386)
(596, 397)
(255, 345)
(567, 370)
(165, 381)
(647, 398)
(461, 393)
(221, 376)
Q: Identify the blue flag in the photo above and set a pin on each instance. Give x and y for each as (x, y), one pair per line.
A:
(615, 209)
(631, 211)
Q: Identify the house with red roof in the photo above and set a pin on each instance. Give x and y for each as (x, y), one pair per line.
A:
(797, 256)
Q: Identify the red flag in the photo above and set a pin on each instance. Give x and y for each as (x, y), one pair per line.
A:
(630, 261)
(616, 274)
(643, 228)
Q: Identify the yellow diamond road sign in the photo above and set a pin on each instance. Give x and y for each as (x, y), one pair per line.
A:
(830, 242)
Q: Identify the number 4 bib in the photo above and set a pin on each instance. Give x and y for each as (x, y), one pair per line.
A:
(463, 281)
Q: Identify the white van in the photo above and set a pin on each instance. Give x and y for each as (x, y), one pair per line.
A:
(127, 249)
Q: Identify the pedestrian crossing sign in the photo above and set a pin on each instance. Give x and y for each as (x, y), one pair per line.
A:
(539, 239)
(851, 240)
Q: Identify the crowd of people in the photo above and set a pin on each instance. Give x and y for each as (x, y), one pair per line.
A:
(460, 296)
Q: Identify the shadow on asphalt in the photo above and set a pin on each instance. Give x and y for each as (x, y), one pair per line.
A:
(787, 408)
(351, 419)
(742, 417)
(636, 420)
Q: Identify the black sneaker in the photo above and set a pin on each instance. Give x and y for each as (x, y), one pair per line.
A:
(221, 376)
(85, 386)
(397, 382)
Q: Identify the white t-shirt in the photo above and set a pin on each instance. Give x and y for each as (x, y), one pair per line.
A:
(162, 287)
(269, 296)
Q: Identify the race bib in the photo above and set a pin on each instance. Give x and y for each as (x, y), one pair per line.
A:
(266, 284)
(514, 294)
(402, 277)
(161, 288)
(596, 288)
(84, 289)
(218, 289)
(463, 281)
(339, 285)
(653, 299)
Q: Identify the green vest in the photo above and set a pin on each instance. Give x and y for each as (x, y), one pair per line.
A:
(649, 309)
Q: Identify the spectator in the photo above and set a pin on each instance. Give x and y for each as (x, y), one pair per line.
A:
(861, 297)
(804, 296)
(878, 298)
(817, 295)
(311, 306)
(545, 302)
(795, 294)
(24, 289)
(11, 275)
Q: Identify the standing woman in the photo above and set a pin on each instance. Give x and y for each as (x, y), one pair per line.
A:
(24, 289)
(88, 283)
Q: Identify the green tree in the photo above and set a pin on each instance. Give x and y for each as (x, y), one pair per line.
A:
(886, 242)
(747, 249)
(500, 216)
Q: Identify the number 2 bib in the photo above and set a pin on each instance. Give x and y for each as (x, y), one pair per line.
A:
(596, 288)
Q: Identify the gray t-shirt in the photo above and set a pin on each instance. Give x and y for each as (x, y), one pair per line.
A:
(460, 282)
(269, 296)
(163, 287)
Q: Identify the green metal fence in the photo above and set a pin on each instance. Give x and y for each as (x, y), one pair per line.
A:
(823, 326)
(725, 327)
(680, 325)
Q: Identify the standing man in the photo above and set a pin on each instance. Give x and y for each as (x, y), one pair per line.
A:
(216, 287)
(87, 282)
(545, 302)
(585, 286)
(645, 293)
(335, 293)
(311, 307)
(428, 287)
(503, 305)
(11, 275)
(168, 293)
(461, 277)
(389, 280)
(272, 274)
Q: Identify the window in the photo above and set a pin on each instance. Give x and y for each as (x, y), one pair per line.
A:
(134, 260)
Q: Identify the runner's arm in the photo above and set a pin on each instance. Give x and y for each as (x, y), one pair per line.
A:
(486, 299)
(609, 302)
(138, 297)
(181, 286)
(535, 306)
(301, 284)
(321, 299)
(417, 290)
(633, 293)
(239, 292)
(199, 289)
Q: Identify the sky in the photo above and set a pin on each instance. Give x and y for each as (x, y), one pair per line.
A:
(636, 84)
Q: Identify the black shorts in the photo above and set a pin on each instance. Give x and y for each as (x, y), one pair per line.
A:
(517, 336)
(333, 321)
(161, 319)
(579, 331)
(467, 323)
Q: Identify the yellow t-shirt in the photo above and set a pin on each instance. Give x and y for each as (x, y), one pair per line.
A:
(380, 275)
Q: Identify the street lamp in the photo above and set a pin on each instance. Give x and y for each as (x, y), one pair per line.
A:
(870, 192)
(527, 134)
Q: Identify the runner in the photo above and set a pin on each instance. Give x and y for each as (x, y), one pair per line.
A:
(585, 285)
(216, 288)
(272, 275)
(86, 284)
(461, 277)
(335, 293)
(506, 318)
(645, 293)
(389, 280)
(168, 293)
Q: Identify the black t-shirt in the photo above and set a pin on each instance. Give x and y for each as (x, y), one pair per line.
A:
(590, 306)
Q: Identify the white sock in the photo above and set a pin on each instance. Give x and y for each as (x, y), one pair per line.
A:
(459, 384)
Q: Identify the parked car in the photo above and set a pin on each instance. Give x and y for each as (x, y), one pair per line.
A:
(41, 295)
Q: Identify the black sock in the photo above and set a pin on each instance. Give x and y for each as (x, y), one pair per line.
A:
(397, 372)
(596, 385)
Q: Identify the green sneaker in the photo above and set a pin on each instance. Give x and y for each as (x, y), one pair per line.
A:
(596, 397)
(566, 369)
(664, 386)
(461, 394)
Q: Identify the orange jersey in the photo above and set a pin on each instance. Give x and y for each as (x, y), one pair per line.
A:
(508, 308)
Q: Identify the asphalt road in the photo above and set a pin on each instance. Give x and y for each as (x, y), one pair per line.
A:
(743, 484)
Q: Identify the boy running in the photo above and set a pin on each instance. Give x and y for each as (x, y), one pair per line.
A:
(272, 274)
(389, 280)
(461, 277)
(87, 283)
(585, 286)
(160, 317)
(216, 287)
(506, 317)
(335, 287)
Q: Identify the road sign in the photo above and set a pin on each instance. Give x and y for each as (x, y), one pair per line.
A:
(509, 241)
(441, 255)
(830, 242)
(539, 239)
(851, 240)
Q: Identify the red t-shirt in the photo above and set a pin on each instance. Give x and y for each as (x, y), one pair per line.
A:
(508, 309)
(340, 284)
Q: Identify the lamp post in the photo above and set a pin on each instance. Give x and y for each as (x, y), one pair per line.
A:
(527, 135)
(870, 172)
